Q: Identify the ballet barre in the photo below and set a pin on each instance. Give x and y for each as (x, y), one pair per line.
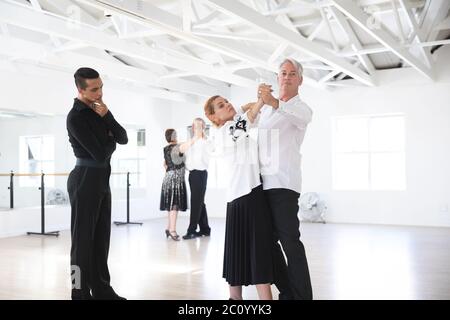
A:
(43, 232)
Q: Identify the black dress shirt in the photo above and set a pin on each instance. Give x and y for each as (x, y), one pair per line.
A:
(92, 136)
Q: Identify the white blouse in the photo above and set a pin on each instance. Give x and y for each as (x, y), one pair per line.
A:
(238, 152)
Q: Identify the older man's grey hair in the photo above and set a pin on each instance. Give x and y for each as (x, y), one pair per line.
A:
(297, 65)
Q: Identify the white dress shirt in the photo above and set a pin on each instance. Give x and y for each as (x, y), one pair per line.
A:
(197, 156)
(237, 152)
(280, 136)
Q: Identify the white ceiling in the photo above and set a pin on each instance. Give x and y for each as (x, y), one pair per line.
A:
(200, 47)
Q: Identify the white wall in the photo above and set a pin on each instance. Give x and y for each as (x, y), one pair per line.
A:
(427, 112)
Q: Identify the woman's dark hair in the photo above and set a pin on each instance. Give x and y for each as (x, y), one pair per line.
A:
(82, 74)
(170, 135)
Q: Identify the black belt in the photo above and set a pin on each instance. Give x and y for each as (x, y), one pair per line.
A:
(91, 163)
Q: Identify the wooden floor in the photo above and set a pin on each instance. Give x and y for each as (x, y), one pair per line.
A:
(346, 262)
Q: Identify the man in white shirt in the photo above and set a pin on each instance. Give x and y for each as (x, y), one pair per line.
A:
(197, 160)
(282, 128)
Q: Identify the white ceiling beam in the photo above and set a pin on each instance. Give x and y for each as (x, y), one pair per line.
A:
(118, 25)
(305, 21)
(71, 45)
(314, 19)
(186, 6)
(22, 49)
(278, 52)
(329, 76)
(419, 37)
(147, 14)
(435, 13)
(75, 12)
(317, 66)
(283, 18)
(330, 32)
(129, 30)
(360, 18)
(372, 49)
(37, 6)
(316, 30)
(32, 20)
(401, 32)
(232, 36)
(141, 34)
(235, 66)
(434, 43)
(444, 25)
(294, 39)
(177, 75)
(206, 20)
(348, 30)
(299, 6)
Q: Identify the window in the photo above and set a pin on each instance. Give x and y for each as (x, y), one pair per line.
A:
(369, 152)
(130, 157)
(37, 155)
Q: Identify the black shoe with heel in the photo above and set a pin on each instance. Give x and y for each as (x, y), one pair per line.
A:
(173, 235)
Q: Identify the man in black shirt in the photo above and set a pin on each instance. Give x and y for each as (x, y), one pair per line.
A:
(93, 134)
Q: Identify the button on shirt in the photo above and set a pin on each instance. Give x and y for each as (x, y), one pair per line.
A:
(280, 136)
(237, 156)
(197, 156)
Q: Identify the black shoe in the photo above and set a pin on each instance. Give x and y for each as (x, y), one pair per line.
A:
(106, 294)
(191, 235)
(204, 233)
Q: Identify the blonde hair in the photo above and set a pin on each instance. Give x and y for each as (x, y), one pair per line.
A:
(209, 109)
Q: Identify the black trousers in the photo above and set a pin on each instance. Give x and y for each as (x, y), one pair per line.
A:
(199, 216)
(292, 280)
(90, 200)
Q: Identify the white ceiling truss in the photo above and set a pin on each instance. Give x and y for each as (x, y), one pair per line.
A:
(183, 49)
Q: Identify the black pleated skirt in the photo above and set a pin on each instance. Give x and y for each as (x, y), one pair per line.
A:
(248, 241)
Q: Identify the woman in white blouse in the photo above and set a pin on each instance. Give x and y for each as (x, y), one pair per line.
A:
(248, 233)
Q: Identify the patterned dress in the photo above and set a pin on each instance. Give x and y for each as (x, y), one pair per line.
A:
(173, 191)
